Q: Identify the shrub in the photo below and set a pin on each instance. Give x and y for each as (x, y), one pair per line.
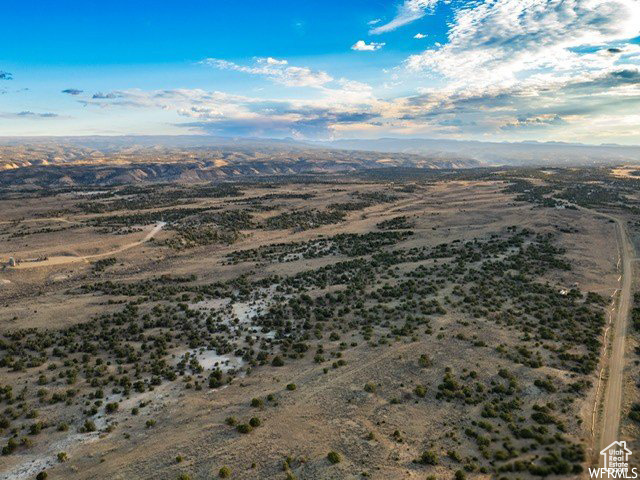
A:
(421, 391)
(255, 422)
(111, 407)
(453, 455)
(10, 446)
(291, 387)
(429, 458)
(257, 402)
(42, 475)
(62, 457)
(224, 472)
(546, 384)
(89, 426)
(333, 457)
(277, 361)
(424, 361)
(369, 387)
(231, 421)
(215, 381)
(35, 428)
(244, 428)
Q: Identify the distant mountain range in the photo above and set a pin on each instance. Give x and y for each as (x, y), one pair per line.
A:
(494, 153)
(121, 160)
(108, 143)
(68, 161)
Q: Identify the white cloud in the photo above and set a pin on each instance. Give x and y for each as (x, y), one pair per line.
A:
(339, 102)
(409, 11)
(495, 40)
(374, 21)
(419, 36)
(302, 77)
(272, 61)
(508, 70)
(277, 70)
(546, 105)
(511, 67)
(362, 46)
(531, 122)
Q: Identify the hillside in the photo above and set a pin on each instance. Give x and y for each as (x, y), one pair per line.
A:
(69, 162)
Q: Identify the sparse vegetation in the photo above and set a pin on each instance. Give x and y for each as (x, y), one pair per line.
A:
(334, 457)
(380, 322)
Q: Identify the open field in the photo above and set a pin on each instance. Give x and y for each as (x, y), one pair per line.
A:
(440, 325)
(292, 240)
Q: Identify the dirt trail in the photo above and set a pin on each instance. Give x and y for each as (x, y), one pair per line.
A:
(612, 399)
(61, 260)
(36, 220)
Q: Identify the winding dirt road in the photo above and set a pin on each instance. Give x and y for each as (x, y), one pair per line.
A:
(61, 260)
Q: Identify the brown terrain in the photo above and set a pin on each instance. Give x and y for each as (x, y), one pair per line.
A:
(468, 348)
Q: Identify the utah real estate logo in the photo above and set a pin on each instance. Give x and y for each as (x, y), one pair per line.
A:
(615, 462)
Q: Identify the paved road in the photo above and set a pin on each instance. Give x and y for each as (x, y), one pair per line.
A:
(613, 391)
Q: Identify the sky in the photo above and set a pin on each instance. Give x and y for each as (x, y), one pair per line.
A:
(490, 70)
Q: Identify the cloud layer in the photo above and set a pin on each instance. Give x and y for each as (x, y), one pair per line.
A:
(509, 69)
(277, 70)
(408, 12)
(498, 39)
(28, 114)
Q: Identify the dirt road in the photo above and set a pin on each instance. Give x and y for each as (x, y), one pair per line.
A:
(612, 402)
(61, 260)
(36, 220)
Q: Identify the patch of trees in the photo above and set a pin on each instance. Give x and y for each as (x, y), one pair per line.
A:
(349, 244)
(397, 223)
(100, 265)
(304, 219)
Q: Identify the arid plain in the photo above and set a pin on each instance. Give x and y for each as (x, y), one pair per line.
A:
(372, 326)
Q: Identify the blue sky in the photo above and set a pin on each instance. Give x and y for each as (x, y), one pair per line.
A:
(495, 70)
